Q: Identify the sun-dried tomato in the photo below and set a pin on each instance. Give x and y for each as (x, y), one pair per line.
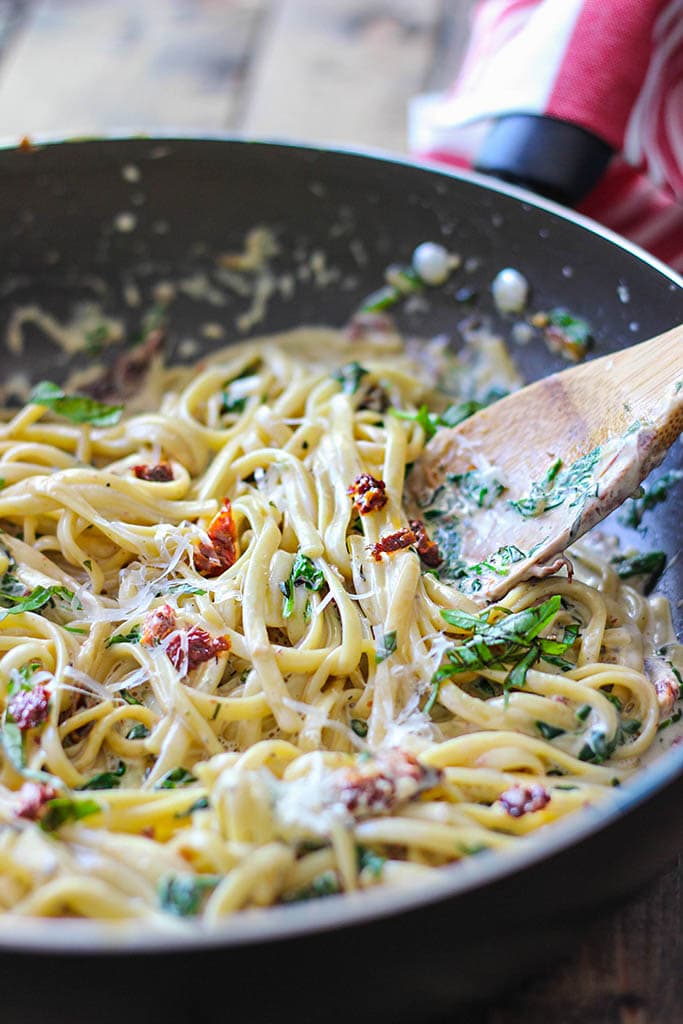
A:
(32, 798)
(380, 784)
(194, 647)
(157, 625)
(367, 493)
(160, 473)
(427, 549)
(29, 708)
(520, 800)
(213, 557)
(402, 538)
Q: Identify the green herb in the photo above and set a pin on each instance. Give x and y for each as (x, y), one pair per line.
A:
(572, 333)
(566, 789)
(456, 414)
(500, 561)
(176, 777)
(326, 884)
(13, 743)
(676, 717)
(472, 849)
(614, 700)
(635, 509)
(133, 637)
(498, 641)
(304, 573)
(360, 727)
(386, 647)
(548, 731)
(106, 780)
(77, 408)
(138, 732)
(423, 417)
(183, 587)
(583, 712)
(572, 485)
(129, 698)
(3, 482)
(474, 487)
(182, 894)
(36, 600)
(64, 809)
(370, 861)
(433, 697)
(630, 726)
(596, 748)
(27, 670)
(199, 805)
(232, 405)
(650, 564)
(349, 376)
(383, 298)
(96, 337)
(75, 629)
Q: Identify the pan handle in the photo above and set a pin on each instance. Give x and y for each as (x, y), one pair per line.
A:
(553, 158)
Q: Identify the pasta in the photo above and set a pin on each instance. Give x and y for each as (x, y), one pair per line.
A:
(226, 675)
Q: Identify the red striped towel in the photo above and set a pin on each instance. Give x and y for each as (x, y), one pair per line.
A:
(613, 67)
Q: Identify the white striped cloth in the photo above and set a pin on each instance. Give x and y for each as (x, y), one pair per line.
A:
(613, 67)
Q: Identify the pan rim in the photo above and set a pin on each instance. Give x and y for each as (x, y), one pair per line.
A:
(276, 924)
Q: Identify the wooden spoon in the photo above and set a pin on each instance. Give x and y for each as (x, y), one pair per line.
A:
(568, 449)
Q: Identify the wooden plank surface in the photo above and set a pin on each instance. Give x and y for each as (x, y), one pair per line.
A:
(318, 70)
(332, 72)
(87, 66)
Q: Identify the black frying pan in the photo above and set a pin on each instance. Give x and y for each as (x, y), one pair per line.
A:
(387, 956)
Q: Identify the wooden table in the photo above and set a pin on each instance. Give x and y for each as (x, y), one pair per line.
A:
(339, 71)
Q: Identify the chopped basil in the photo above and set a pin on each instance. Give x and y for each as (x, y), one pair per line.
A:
(138, 732)
(75, 629)
(13, 743)
(635, 509)
(566, 789)
(182, 587)
(176, 777)
(232, 405)
(106, 780)
(423, 417)
(129, 698)
(456, 414)
(500, 561)
(133, 637)
(64, 809)
(476, 488)
(370, 861)
(326, 884)
(349, 376)
(498, 639)
(386, 647)
(676, 717)
(650, 565)
(596, 748)
(548, 731)
(571, 334)
(34, 601)
(433, 697)
(583, 712)
(304, 573)
(557, 486)
(77, 408)
(182, 895)
(199, 805)
(383, 298)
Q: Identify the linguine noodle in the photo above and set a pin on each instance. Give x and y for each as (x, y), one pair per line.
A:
(240, 689)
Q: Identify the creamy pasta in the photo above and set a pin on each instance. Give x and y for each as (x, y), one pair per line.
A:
(234, 671)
